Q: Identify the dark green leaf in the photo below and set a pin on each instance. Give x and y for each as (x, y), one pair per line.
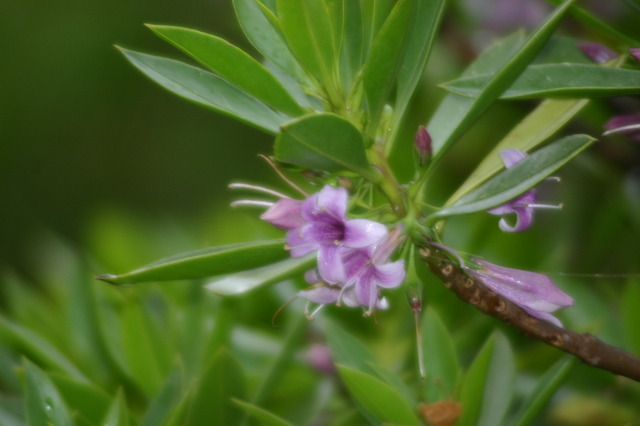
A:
(347, 350)
(87, 400)
(211, 403)
(205, 89)
(323, 142)
(266, 38)
(353, 48)
(441, 366)
(245, 281)
(384, 402)
(631, 315)
(558, 80)
(231, 63)
(205, 262)
(43, 403)
(460, 113)
(381, 67)
(516, 180)
(263, 416)
(488, 386)
(545, 389)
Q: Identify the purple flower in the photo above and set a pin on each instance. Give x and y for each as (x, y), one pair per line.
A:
(533, 292)
(422, 144)
(522, 206)
(635, 52)
(597, 52)
(327, 230)
(284, 214)
(628, 125)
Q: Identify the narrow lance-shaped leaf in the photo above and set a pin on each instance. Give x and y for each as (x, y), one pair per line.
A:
(441, 366)
(206, 89)
(323, 142)
(265, 417)
(516, 180)
(43, 403)
(205, 262)
(558, 80)
(231, 63)
(267, 39)
(466, 113)
(381, 400)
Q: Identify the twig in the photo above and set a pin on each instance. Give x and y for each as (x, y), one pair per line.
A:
(588, 348)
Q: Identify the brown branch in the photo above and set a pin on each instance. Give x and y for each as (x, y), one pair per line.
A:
(588, 348)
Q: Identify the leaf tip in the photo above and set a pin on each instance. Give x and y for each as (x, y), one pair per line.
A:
(109, 278)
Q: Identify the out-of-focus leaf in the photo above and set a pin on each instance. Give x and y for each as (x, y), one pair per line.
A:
(211, 402)
(544, 390)
(516, 180)
(166, 402)
(37, 348)
(441, 366)
(347, 350)
(231, 63)
(245, 281)
(459, 114)
(88, 401)
(43, 402)
(307, 28)
(205, 262)
(558, 80)
(206, 89)
(353, 47)
(323, 142)
(534, 129)
(265, 38)
(487, 388)
(381, 67)
(263, 416)
(631, 315)
(117, 414)
(381, 400)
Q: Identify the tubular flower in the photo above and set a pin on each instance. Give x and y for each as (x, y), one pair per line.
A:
(522, 206)
(597, 52)
(533, 292)
(284, 214)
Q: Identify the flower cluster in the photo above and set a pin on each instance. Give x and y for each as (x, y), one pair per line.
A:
(353, 254)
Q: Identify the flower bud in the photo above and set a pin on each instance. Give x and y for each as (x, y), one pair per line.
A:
(423, 145)
(597, 52)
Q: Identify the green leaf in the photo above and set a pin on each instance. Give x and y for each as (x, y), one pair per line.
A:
(88, 401)
(558, 80)
(353, 47)
(488, 386)
(166, 403)
(516, 180)
(231, 63)
(307, 28)
(544, 391)
(245, 281)
(460, 113)
(117, 414)
(263, 416)
(211, 403)
(381, 67)
(384, 402)
(631, 315)
(43, 403)
(549, 117)
(441, 366)
(205, 262)
(347, 350)
(323, 142)
(205, 89)
(266, 38)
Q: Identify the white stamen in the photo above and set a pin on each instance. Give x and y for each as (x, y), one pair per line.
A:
(622, 129)
(544, 206)
(254, 203)
(315, 311)
(240, 185)
(553, 178)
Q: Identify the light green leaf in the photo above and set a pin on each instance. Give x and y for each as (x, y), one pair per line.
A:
(381, 67)
(211, 403)
(558, 80)
(381, 400)
(231, 63)
(205, 263)
(488, 386)
(323, 142)
(516, 180)
(117, 414)
(205, 89)
(245, 281)
(544, 391)
(441, 366)
(263, 416)
(266, 38)
(43, 403)
(307, 28)
(168, 403)
(460, 113)
(549, 117)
